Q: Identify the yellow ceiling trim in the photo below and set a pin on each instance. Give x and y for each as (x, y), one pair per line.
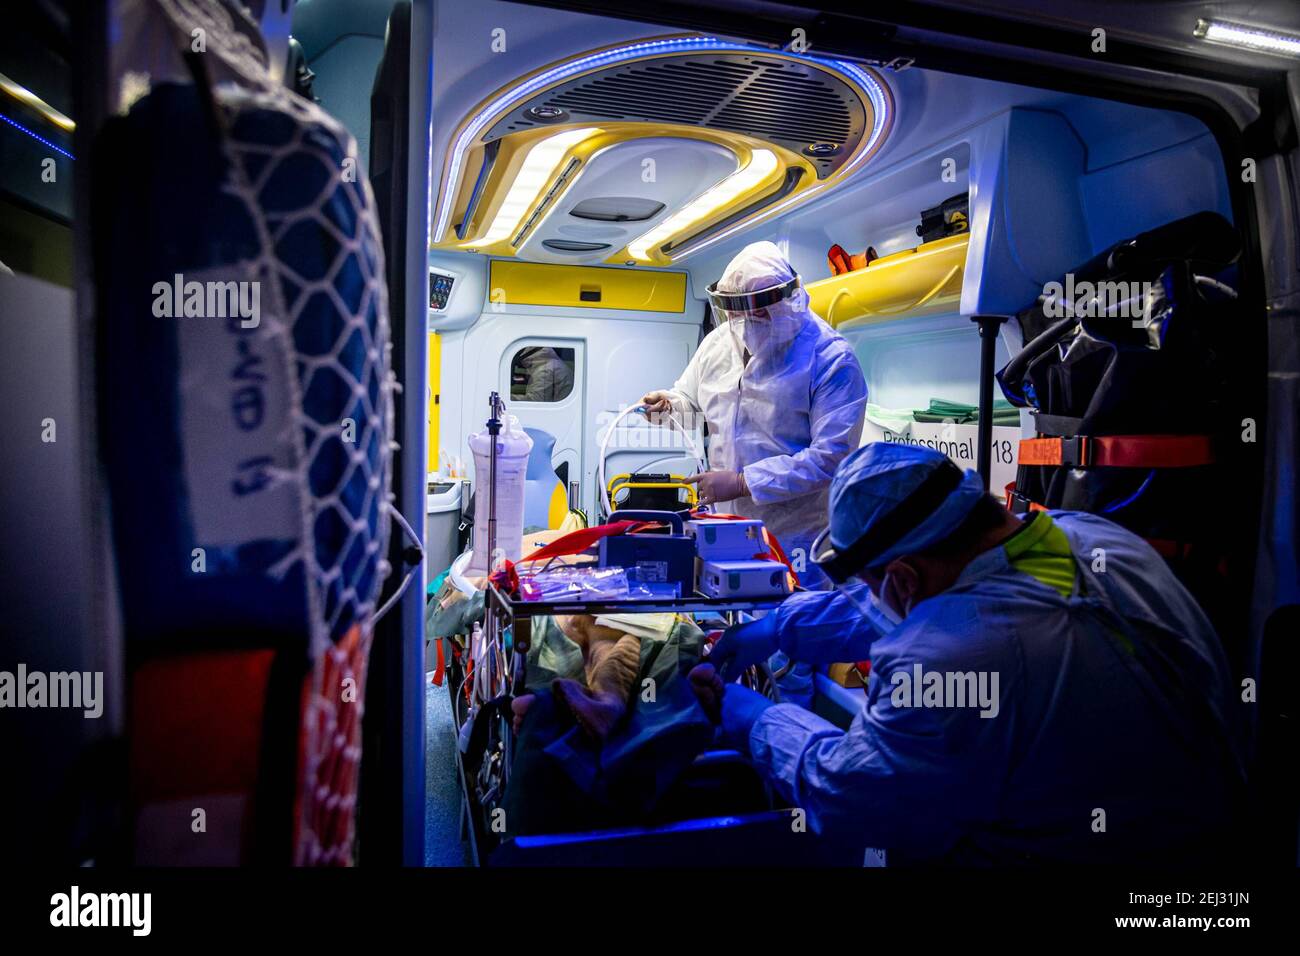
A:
(513, 151)
(472, 160)
(759, 189)
(472, 164)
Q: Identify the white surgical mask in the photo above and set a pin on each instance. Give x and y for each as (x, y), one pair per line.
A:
(883, 617)
(879, 614)
(757, 334)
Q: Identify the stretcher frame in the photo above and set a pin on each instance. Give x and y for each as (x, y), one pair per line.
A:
(507, 627)
(624, 481)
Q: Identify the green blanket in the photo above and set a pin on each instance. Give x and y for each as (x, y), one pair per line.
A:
(942, 410)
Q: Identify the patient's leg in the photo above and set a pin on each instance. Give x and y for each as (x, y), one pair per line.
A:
(611, 668)
(612, 659)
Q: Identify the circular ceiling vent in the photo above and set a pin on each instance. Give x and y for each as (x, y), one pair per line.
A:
(795, 123)
(779, 98)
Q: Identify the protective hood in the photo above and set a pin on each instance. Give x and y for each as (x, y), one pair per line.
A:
(761, 299)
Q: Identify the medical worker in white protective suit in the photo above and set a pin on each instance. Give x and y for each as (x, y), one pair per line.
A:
(783, 396)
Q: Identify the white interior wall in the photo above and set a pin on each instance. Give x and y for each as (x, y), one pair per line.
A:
(1050, 178)
(626, 355)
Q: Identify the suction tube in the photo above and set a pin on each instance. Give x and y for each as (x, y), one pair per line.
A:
(609, 432)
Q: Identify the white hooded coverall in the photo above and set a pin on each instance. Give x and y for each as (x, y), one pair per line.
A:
(787, 418)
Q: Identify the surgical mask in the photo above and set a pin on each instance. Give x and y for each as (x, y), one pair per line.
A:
(883, 618)
(750, 332)
(758, 334)
(882, 615)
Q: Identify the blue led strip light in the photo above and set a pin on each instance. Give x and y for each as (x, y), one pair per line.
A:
(40, 139)
(879, 102)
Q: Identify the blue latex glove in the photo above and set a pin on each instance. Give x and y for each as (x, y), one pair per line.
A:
(731, 706)
(744, 645)
(741, 707)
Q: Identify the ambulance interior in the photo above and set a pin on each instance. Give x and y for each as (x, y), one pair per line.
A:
(590, 177)
(557, 187)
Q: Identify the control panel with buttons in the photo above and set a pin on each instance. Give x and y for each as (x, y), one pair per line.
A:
(439, 290)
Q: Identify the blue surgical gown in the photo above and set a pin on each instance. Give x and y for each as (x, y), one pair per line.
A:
(1109, 740)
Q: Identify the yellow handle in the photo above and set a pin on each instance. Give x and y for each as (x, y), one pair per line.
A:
(616, 485)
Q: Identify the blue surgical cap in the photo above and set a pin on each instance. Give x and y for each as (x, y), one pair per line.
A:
(872, 482)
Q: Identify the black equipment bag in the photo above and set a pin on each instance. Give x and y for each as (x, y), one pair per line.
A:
(1126, 349)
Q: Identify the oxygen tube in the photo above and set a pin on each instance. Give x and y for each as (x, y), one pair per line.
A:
(609, 434)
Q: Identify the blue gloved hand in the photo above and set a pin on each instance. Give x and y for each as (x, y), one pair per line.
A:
(744, 645)
(741, 707)
(734, 707)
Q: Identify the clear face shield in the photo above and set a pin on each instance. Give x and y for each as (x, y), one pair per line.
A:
(756, 320)
(880, 615)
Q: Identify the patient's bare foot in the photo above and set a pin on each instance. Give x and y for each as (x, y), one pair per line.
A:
(519, 706)
(596, 713)
(708, 689)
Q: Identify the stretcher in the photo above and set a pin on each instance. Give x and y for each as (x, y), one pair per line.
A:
(756, 830)
(491, 667)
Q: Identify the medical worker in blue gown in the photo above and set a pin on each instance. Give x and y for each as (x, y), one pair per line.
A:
(1042, 689)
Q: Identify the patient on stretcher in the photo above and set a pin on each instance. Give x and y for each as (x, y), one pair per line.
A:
(623, 676)
(611, 658)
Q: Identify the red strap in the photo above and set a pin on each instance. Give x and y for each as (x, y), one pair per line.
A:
(1182, 550)
(1039, 451)
(1119, 451)
(506, 578)
(440, 670)
(1169, 549)
(1009, 494)
(576, 542)
(1163, 546)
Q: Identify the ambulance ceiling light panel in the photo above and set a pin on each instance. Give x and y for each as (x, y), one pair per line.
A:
(759, 167)
(796, 125)
(539, 169)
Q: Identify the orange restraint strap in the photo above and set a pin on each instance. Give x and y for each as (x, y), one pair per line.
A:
(1013, 499)
(1119, 451)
